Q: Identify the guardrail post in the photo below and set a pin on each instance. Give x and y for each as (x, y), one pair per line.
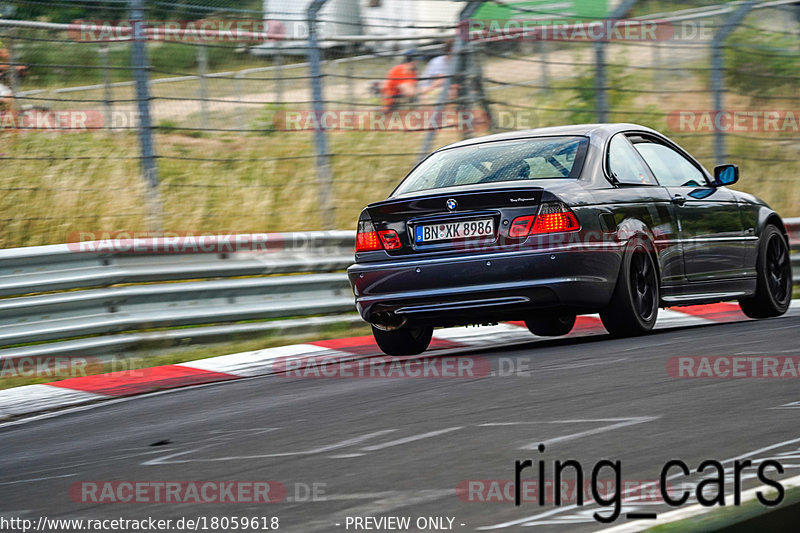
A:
(324, 178)
(140, 72)
(601, 75)
(718, 75)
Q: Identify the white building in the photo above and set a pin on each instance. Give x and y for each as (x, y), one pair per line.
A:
(378, 18)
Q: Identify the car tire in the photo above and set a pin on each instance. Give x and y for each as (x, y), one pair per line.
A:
(774, 277)
(553, 326)
(633, 309)
(403, 341)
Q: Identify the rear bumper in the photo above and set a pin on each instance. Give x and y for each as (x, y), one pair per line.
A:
(486, 287)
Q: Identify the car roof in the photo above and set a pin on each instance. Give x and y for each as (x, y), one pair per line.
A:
(588, 130)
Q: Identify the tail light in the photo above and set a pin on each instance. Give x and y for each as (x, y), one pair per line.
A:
(389, 239)
(553, 217)
(521, 227)
(368, 240)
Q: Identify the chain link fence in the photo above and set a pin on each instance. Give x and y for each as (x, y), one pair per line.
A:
(282, 116)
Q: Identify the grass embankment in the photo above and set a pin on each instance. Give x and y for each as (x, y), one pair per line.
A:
(230, 182)
(82, 182)
(241, 181)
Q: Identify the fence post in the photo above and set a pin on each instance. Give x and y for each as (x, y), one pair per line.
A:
(320, 139)
(542, 47)
(202, 66)
(457, 64)
(476, 86)
(140, 72)
(656, 63)
(237, 86)
(718, 75)
(600, 82)
(8, 41)
(107, 93)
(601, 75)
(278, 73)
(351, 92)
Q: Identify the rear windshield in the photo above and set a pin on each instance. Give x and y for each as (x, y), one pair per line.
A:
(493, 162)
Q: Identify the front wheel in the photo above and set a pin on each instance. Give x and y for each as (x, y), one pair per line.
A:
(551, 326)
(634, 305)
(774, 277)
(403, 341)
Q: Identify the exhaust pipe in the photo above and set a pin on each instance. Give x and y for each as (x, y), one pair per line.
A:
(388, 321)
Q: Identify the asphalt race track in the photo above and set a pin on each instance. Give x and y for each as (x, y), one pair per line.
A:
(401, 447)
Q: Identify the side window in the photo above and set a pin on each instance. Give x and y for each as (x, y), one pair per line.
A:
(625, 164)
(670, 167)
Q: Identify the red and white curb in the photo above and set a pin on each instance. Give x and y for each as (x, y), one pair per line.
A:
(31, 399)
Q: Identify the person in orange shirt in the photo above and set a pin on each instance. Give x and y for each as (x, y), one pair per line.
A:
(401, 82)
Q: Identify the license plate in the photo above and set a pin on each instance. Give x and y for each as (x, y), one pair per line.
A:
(446, 231)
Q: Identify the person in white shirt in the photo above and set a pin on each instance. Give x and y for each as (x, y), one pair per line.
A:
(6, 97)
(437, 70)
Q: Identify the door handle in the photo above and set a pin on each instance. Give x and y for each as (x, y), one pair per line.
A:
(678, 200)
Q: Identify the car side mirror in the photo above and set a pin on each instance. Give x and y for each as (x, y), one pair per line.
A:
(726, 175)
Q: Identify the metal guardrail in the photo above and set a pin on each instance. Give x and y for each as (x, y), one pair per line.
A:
(115, 261)
(240, 278)
(92, 301)
(793, 228)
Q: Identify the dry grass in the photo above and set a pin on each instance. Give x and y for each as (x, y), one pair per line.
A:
(54, 185)
(47, 199)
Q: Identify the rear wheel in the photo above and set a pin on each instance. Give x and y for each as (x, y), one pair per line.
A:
(403, 341)
(552, 326)
(634, 305)
(774, 282)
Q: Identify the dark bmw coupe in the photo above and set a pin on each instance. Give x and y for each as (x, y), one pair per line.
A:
(546, 224)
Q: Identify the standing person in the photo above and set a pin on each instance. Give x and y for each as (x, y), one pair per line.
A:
(401, 82)
(6, 97)
(437, 71)
(6, 94)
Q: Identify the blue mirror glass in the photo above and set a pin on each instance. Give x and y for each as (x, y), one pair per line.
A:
(701, 194)
(726, 175)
